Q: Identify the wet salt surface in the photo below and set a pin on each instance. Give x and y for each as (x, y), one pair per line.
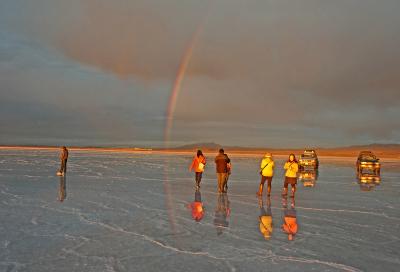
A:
(117, 216)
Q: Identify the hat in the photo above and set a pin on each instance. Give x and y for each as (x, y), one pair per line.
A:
(268, 155)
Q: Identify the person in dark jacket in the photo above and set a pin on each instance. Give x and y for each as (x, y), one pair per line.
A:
(63, 158)
(221, 163)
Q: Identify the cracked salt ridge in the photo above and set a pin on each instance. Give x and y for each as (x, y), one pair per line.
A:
(207, 254)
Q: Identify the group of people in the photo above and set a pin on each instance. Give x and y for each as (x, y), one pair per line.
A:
(223, 168)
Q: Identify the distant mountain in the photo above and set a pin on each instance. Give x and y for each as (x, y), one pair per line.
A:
(373, 146)
(215, 146)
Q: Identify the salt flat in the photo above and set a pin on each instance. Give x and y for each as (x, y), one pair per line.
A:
(130, 212)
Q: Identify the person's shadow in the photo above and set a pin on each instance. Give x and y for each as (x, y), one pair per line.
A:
(197, 207)
(222, 212)
(62, 189)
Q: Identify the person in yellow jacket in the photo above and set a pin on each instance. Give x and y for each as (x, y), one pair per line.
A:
(267, 172)
(291, 167)
(265, 219)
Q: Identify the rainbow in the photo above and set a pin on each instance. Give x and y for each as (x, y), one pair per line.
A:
(177, 86)
(176, 89)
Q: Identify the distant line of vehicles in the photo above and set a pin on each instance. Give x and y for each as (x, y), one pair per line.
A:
(367, 165)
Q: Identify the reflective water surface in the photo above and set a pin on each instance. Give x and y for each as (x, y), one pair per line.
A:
(111, 213)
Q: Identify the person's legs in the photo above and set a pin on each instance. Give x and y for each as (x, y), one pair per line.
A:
(261, 187)
(198, 179)
(225, 185)
(221, 178)
(63, 166)
(224, 181)
(285, 187)
(269, 179)
(293, 189)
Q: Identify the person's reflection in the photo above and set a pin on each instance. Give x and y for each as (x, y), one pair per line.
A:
(289, 225)
(265, 218)
(197, 207)
(222, 212)
(62, 189)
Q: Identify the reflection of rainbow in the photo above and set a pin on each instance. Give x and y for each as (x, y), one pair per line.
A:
(183, 66)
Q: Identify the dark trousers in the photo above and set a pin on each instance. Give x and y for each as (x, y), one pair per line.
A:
(199, 175)
(63, 168)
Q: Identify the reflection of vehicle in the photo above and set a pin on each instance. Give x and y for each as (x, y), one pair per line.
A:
(308, 177)
(369, 178)
(308, 159)
(367, 160)
(368, 181)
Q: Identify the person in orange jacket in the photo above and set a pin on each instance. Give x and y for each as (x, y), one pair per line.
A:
(289, 225)
(197, 207)
(198, 165)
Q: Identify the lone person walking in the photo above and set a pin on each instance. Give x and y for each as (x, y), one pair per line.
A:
(63, 158)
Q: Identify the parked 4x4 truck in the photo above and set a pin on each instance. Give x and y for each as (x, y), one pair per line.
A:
(368, 161)
(309, 159)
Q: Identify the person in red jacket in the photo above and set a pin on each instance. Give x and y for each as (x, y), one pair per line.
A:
(198, 165)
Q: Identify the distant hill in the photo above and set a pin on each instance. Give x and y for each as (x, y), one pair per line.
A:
(212, 145)
(374, 146)
(381, 150)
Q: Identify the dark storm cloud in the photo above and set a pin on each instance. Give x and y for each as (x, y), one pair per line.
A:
(260, 69)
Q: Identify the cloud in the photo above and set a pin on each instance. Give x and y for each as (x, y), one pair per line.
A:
(259, 69)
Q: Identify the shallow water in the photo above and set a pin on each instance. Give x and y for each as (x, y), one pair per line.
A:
(130, 212)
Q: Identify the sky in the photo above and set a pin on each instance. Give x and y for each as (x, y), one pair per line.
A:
(261, 73)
